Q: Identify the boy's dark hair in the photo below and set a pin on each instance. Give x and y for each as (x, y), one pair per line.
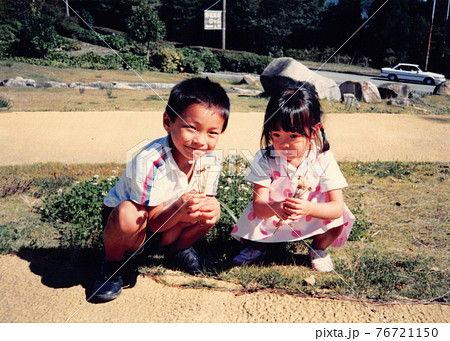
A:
(295, 109)
(198, 90)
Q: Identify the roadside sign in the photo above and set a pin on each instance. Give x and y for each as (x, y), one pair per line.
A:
(213, 20)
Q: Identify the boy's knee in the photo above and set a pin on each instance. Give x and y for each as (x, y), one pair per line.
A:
(129, 217)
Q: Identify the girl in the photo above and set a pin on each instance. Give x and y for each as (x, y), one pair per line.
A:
(297, 183)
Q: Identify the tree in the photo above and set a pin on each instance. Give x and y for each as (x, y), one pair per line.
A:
(38, 34)
(145, 26)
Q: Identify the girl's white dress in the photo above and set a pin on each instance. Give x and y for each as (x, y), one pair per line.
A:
(321, 174)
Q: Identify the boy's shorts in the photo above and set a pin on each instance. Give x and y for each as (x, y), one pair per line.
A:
(152, 241)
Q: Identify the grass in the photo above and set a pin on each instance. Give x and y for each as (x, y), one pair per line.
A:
(400, 251)
(65, 99)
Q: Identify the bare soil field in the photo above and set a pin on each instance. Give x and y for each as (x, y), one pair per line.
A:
(107, 136)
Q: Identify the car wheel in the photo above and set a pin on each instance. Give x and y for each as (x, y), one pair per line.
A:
(429, 81)
(392, 78)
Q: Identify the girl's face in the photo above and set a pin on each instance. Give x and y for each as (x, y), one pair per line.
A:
(291, 146)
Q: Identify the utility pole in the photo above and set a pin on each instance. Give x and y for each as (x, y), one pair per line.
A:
(429, 38)
(224, 11)
(67, 8)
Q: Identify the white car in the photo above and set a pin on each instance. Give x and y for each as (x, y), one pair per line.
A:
(412, 73)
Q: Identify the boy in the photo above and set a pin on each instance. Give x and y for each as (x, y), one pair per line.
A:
(166, 194)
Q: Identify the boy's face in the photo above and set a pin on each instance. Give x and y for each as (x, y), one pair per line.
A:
(198, 130)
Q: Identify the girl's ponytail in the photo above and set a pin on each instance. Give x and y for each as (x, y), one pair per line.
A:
(325, 143)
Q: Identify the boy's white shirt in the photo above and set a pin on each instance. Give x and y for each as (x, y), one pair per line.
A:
(153, 177)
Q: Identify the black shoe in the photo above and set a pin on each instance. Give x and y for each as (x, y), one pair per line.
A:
(108, 285)
(188, 260)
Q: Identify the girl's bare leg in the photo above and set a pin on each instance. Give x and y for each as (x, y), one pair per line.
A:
(324, 240)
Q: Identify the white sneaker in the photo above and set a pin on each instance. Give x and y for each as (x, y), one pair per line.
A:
(248, 256)
(320, 260)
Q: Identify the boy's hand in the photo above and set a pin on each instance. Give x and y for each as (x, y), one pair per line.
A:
(210, 211)
(190, 204)
(296, 208)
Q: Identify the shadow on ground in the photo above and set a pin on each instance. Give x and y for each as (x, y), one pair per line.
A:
(65, 268)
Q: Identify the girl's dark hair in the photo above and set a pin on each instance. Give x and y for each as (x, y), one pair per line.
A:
(201, 91)
(295, 109)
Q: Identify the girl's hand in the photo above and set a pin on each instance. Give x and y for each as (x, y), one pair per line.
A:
(280, 210)
(297, 208)
(189, 206)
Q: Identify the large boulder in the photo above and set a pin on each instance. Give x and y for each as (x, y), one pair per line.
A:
(19, 82)
(442, 89)
(393, 90)
(363, 91)
(282, 72)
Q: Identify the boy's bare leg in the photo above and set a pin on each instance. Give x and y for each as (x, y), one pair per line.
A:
(183, 235)
(125, 230)
(323, 241)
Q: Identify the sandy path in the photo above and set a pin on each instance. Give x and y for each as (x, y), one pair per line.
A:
(149, 301)
(71, 137)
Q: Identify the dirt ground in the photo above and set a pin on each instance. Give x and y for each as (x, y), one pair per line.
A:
(38, 291)
(73, 137)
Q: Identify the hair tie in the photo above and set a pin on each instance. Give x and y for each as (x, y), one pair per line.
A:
(323, 133)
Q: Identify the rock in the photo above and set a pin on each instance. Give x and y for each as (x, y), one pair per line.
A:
(75, 85)
(311, 280)
(400, 101)
(417, 99)
(363, 91)
(282, 72)
(246, 92)
(99, 85)
(19, 82)
(442, 89)
(391, 90)
(250, 80)
(351, 101)
(50, 85)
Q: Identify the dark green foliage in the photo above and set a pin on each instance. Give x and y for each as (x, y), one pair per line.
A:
(52, 184)
(144, 25)
(5, 104)
(379, 169)
(234, 194)
(199, 60)
(11, 238)
(243, 62)
(361, 225)
(77, 213)
(37, 35)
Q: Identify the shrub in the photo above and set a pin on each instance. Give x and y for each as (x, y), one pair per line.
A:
(166, 59)
(5, 104)
(13, 185)
(243, 62)
(77, 213)
(191, 61)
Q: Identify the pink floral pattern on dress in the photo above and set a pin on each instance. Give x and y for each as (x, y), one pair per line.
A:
(296, 233)
(276, 175)
(235, 229)
(251, 216)
(287, 193)
(308, 218)
(326, 222)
